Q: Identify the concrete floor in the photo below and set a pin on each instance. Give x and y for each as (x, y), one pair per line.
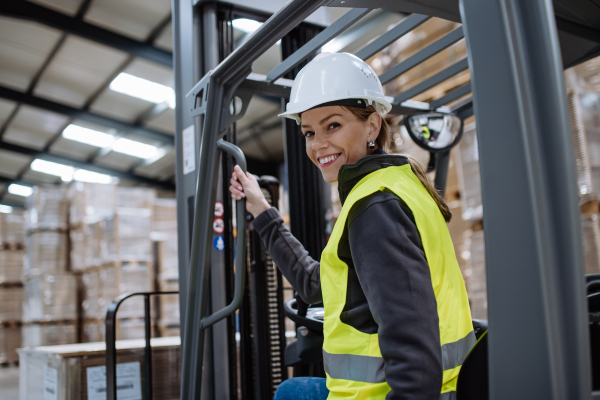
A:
(9, 383)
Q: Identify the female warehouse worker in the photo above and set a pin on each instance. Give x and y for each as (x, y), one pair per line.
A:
(397, 320)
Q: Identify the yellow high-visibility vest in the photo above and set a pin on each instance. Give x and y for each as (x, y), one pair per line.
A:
(353, 362)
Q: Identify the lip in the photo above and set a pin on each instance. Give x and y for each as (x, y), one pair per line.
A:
(330, 162)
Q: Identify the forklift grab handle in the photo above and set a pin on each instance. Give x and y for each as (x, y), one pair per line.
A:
(240, 254)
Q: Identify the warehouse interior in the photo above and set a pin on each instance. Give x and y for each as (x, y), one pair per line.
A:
(91, 202)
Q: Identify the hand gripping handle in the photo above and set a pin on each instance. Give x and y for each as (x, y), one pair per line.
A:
(240, 254)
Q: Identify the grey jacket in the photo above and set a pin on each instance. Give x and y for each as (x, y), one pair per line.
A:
(389, 282)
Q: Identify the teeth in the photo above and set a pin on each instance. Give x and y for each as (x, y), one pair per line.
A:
(327, 159)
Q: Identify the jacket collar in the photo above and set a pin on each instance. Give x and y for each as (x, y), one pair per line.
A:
(351, 174)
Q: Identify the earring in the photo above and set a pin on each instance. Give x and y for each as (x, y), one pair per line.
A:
(371, 145)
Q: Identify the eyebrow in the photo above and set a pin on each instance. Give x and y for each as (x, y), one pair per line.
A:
(323, 120)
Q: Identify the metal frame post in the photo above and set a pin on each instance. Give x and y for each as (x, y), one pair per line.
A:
(538, 341)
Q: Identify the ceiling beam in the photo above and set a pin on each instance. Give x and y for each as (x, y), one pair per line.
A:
(75, 113)
(34, 12)
(83, 165)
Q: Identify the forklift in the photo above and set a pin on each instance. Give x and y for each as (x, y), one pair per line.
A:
(538, 345)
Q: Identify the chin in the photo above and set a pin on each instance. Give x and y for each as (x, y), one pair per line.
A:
(329, 178)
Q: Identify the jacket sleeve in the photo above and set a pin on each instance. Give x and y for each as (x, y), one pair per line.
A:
(394, 275)
(302, 271)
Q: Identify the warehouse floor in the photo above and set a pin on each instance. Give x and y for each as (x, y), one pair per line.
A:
(9, 383)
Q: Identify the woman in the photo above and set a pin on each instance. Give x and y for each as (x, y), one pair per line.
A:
(397, 320)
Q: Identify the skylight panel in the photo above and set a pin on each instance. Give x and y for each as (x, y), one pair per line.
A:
(143, 89)
(5, 209)
(84, 175)
(20, 190)
(47, 167)
(87, 136)
(134, 148)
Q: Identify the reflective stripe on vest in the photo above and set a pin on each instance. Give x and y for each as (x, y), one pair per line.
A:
(371, 369)
(352, 359)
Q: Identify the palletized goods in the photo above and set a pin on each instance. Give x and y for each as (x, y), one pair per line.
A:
(47, 208)
(11, 302)
(47, 252)
(12, 227)
(36, 334)
(11, 265)
(77, 371)
(50, 297)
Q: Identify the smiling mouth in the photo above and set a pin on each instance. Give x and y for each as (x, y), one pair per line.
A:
(325, 161)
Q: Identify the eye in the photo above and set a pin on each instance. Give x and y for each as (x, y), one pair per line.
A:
(333, 125)
(308, 134)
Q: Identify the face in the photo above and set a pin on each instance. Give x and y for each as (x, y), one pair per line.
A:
(335, 136)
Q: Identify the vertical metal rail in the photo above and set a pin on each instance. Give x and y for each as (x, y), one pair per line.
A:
(111, 344)
(223, 80)
(538, 342)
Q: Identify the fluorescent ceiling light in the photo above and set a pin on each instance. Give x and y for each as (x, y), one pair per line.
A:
(134, 148)
(84, 175)
(87, 136)
(5, 209)
(20, 190)
(246, 25)
(51, 168)
(143, 89)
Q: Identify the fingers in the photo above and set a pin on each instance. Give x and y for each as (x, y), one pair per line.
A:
(236, 194)
(239, 174)
(234, 183)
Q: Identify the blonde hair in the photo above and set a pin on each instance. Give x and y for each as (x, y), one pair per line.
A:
(384, 142)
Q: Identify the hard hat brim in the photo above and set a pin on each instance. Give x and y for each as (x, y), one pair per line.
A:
(295, 111)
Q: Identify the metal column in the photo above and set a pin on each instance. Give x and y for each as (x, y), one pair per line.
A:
(538, 340)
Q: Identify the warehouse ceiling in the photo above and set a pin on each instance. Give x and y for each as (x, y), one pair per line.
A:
(63, 118)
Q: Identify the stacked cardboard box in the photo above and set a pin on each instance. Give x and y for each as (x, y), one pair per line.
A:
(475, 275)
(112, 252)
(50, 306)
(78, 371)
(12, 241)
(164, 232)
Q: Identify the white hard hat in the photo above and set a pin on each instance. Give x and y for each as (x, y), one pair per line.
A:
(331, 77)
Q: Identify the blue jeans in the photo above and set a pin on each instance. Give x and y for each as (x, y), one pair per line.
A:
(302, 388)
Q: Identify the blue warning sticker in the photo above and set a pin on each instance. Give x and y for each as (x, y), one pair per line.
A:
(219, 243)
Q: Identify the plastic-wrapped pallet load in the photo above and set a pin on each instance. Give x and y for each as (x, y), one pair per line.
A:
(125, 236)
(12, 227)
(47, 252)
(11, 302)
(47, 208)
(11, 265)
(476, 276)
(467, 157)
(10, 341)
(50, 298)
(135, 198)
(164, 216)
(78, 372)
(91, 202)
(49, 333)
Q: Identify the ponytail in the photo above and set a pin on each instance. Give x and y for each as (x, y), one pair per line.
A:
(439, 200)
(384, 141)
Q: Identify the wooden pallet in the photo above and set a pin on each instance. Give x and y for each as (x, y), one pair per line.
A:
(11, 324)
(12, 246)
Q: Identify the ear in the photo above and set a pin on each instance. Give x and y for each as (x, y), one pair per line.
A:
(374, 125)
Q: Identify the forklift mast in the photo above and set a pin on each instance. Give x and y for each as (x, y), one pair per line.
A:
(517, 50)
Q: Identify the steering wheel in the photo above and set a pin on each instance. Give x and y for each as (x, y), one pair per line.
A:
(313, 319)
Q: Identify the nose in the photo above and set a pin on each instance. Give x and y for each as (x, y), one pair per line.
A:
(318, 143)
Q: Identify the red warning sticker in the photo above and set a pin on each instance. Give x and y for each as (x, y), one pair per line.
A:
(219, 209)
(218, 225)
